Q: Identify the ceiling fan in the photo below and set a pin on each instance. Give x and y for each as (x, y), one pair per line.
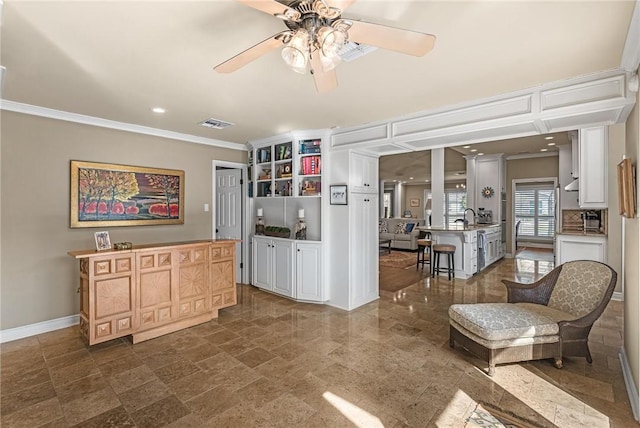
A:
(317, 33)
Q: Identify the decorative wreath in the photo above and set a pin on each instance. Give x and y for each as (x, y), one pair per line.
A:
(487, 192)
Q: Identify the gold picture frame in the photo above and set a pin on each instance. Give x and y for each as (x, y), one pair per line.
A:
(104, 194)
(627, 196)
(414, 202)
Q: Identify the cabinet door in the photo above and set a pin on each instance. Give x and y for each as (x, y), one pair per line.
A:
(282, 253)
(262, 263)
(570, 248)
(363, 173)
(157, 287)
(107, 297)
(222, 272)
(364, 251)
(193, 283)
(593, 167)
(309, 284)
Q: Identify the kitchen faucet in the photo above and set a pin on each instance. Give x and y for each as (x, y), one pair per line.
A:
(465, 221)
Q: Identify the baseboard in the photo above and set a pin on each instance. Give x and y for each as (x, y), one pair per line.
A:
(617, 295)
(38, 328)
(632, 389)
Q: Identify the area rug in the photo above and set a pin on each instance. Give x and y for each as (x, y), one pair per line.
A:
(398, 259)
(487, 416)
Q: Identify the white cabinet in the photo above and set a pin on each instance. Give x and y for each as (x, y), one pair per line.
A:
(273, 265)
(363, 173)
(593, 167)
(363, 258)
(309, 285)
(575, 154)
(470, 252)
(580, 247)
(289, 268)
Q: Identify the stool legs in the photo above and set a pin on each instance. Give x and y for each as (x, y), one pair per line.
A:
(435, 264)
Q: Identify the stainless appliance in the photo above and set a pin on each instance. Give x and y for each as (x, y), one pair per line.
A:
(485, 216)
(591, 221)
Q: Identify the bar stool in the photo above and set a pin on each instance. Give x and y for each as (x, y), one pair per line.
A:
(424, 246)
(449, 251)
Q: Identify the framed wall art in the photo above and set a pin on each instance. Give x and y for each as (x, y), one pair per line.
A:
(338, 194)
(105, 194)
(414, 202)
(627, 196)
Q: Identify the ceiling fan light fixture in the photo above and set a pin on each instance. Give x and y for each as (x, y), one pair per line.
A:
(331, 41)
(328, 62)
(296, 53)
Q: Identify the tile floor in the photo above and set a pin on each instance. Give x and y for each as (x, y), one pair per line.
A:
(270, 362)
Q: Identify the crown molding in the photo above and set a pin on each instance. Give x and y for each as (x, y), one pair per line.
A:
(631, 53)
(532, 155)
(595, 99)
(112, 124)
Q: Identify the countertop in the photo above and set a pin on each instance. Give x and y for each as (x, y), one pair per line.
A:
(580, 232)
(137, 248)
(458, 228)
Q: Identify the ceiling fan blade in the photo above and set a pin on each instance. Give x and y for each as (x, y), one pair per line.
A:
(245, 57)
(325, 80)
(341, 4)
(274, 8)
(395, 39)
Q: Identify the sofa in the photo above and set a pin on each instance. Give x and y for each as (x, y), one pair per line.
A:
(550, 318)
(402, 232)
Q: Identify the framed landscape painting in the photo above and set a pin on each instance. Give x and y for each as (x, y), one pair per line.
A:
(105, 194)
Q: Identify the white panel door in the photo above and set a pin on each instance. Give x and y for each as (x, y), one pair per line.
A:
(262, 263)
(283, 273)
(309, 272)
(229, 209)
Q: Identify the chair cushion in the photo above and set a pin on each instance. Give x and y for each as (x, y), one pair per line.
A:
(580, 287)
(507, 343)
(402, 237)
(503, 321)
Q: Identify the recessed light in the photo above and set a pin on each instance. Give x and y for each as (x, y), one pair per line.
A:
(551, 144)
(543, 150)
(474, 150)
(465, 147)
(410, 178)
(158, 110)
(480, 154)
(548, 138)
(426, 181)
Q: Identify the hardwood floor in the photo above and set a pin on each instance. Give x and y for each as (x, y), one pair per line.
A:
(271, 362)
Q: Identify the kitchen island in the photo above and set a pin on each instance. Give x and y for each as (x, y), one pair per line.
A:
(471, 255)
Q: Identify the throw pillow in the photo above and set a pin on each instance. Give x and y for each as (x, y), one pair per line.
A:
(382, 226)
(409, 227)
(400, 227)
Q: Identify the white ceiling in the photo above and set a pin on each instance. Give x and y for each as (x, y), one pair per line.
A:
(116, 60)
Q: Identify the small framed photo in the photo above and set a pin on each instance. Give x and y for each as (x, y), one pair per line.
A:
(414, 202)
(338, 194)
(102, 241)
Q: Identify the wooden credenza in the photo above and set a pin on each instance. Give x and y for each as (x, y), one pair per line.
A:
(152, 290)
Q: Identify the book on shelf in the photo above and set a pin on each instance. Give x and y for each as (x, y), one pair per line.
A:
(284, 152)
(310, 146)
(311, 165)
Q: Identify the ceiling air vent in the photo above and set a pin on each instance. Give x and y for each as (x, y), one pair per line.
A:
(215, 123)
(352, 50)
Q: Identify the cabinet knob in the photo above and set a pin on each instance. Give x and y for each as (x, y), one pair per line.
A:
(298, 249)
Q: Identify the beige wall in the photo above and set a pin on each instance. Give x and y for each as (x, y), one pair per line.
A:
(542, 167)
(413, 192)
(631, 256)
(38, 278)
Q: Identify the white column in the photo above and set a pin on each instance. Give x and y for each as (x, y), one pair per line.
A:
(437, 187)
(397, 203)
(381, 199)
